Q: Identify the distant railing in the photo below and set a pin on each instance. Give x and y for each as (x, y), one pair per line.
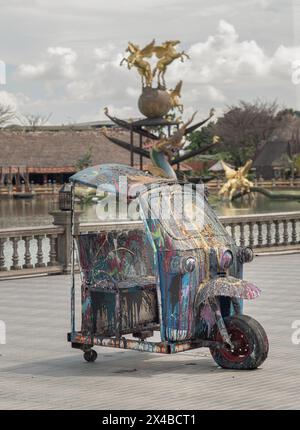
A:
(31, 250)
(214, 184)
(271, 183)
(46, 250)
(265, 232)
(47, 188)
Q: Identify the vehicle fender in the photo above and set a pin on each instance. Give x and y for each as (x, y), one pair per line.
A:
(226, 286)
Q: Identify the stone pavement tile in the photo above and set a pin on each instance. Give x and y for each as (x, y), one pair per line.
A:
(38, 368)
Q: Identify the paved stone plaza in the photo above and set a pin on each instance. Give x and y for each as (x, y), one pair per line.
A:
(39, 370)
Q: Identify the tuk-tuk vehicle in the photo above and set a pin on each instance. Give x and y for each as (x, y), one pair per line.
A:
(167, 271)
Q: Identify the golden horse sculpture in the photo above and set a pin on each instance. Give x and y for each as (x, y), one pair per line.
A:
(136, 59)
(236, 180)
(175, 97)
(166, 53)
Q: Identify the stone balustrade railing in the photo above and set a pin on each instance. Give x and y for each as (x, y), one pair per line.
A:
(47, 188)
(265, 232)
(264, 183)
(46, 250)
(31, 250)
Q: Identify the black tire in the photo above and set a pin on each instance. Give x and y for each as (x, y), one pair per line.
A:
(90, 356)
(252, 344)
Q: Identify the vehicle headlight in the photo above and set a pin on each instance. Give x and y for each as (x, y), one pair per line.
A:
(181, 264)
(226, 260)
(188, 264)
(248, 254)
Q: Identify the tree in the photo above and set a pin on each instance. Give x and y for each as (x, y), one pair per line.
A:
(34, 120)
(201, 138)
(204, 137)
(7, 113)
(296, 163)
(85, 161)
(246, 127)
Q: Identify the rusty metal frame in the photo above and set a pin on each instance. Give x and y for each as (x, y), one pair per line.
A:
(72, 227)
(82, 341)
(215, 306)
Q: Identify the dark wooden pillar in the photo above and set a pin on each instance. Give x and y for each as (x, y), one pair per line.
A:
(18, 183)
(141, 157)
(26, 178)
(131, 147)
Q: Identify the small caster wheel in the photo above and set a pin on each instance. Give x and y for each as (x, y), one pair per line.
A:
(90, 355)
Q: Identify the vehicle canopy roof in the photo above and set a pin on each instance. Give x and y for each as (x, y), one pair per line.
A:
(108, 177)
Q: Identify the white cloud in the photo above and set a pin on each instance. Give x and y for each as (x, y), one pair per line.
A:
(98, 114)
(2, 73)
(8, 99)
(58, 63)
(284, 59)
(223, 57)
(221, 65)
(224, 64)
(133, 92)
(15, 101)
(103, 79)
(105, 53)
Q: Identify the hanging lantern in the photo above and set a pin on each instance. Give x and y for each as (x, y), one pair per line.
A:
(65, 198)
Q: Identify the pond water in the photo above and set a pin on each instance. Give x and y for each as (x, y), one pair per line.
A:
(26, 212)
(259, 204)
(35, 212)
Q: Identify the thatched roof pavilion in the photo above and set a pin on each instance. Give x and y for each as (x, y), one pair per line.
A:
(56, 151)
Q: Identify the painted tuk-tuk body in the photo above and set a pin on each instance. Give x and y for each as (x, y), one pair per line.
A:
(176, 275)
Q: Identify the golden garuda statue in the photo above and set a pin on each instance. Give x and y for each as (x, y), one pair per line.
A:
(236, 180)
(163, 150)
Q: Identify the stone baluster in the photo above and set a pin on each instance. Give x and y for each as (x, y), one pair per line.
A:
(277, 235)
(15, 255)
(259, 236)
(39, 255)
(242, 234)
(52, 252)
(269, 235)
(27, 256)
(251, 235)
(294, 232)
(285, 233)
(232, 229)
(2, 258)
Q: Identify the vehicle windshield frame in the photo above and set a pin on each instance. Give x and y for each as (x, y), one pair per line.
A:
(210, 218)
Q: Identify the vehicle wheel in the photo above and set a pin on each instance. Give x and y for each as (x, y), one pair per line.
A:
(250, 341)
(90, 355)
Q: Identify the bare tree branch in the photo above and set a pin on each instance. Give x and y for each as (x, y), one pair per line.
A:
(246, 127)
(7, 113)
(34, 120)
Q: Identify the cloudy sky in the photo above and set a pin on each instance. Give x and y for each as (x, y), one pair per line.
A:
(62, 56)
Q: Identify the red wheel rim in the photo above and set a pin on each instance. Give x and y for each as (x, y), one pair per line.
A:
(242, 348)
